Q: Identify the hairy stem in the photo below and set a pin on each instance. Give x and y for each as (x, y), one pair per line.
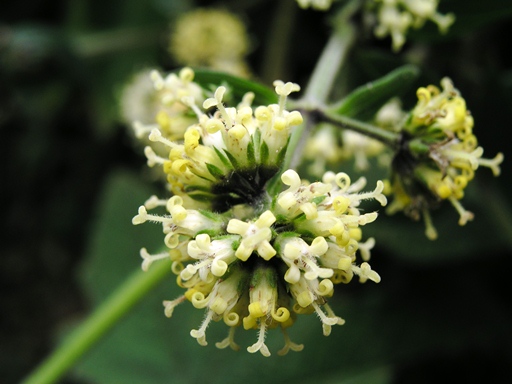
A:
(389, 138)
(330, 62)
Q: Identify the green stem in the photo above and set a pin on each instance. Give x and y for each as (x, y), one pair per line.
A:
(392, 139)
(95, 326)
(330, 62)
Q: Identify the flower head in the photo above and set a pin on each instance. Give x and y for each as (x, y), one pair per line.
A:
(248, 259)
(439, 155)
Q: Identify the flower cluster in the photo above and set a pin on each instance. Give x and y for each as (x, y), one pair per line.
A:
(212, 38)
(395, 17)
(248, 259)
(439, 155)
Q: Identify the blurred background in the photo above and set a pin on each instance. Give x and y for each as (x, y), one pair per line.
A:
(73, 177)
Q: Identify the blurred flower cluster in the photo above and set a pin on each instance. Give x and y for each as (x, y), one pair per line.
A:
(395, 17)
(212, 38)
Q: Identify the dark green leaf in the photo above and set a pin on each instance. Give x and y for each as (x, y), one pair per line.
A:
(405, 239)
(282, 153)
(206, 197)
(115, 241)
(366, 100)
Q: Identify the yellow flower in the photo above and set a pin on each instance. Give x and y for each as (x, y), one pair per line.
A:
(439, 156)
(252, 260)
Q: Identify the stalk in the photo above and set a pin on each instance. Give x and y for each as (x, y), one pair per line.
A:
(389, 138)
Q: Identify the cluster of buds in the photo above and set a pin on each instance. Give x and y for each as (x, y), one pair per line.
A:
(438, 157)
(252, 260)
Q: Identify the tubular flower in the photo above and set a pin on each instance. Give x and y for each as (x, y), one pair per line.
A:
(395, 17)
(439, 155)
(252, 260)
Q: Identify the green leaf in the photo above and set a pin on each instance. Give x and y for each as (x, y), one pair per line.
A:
(239, 86)
(113, 46)
(378, 375)
(282, 153)
(366, 100)
(205, 197)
